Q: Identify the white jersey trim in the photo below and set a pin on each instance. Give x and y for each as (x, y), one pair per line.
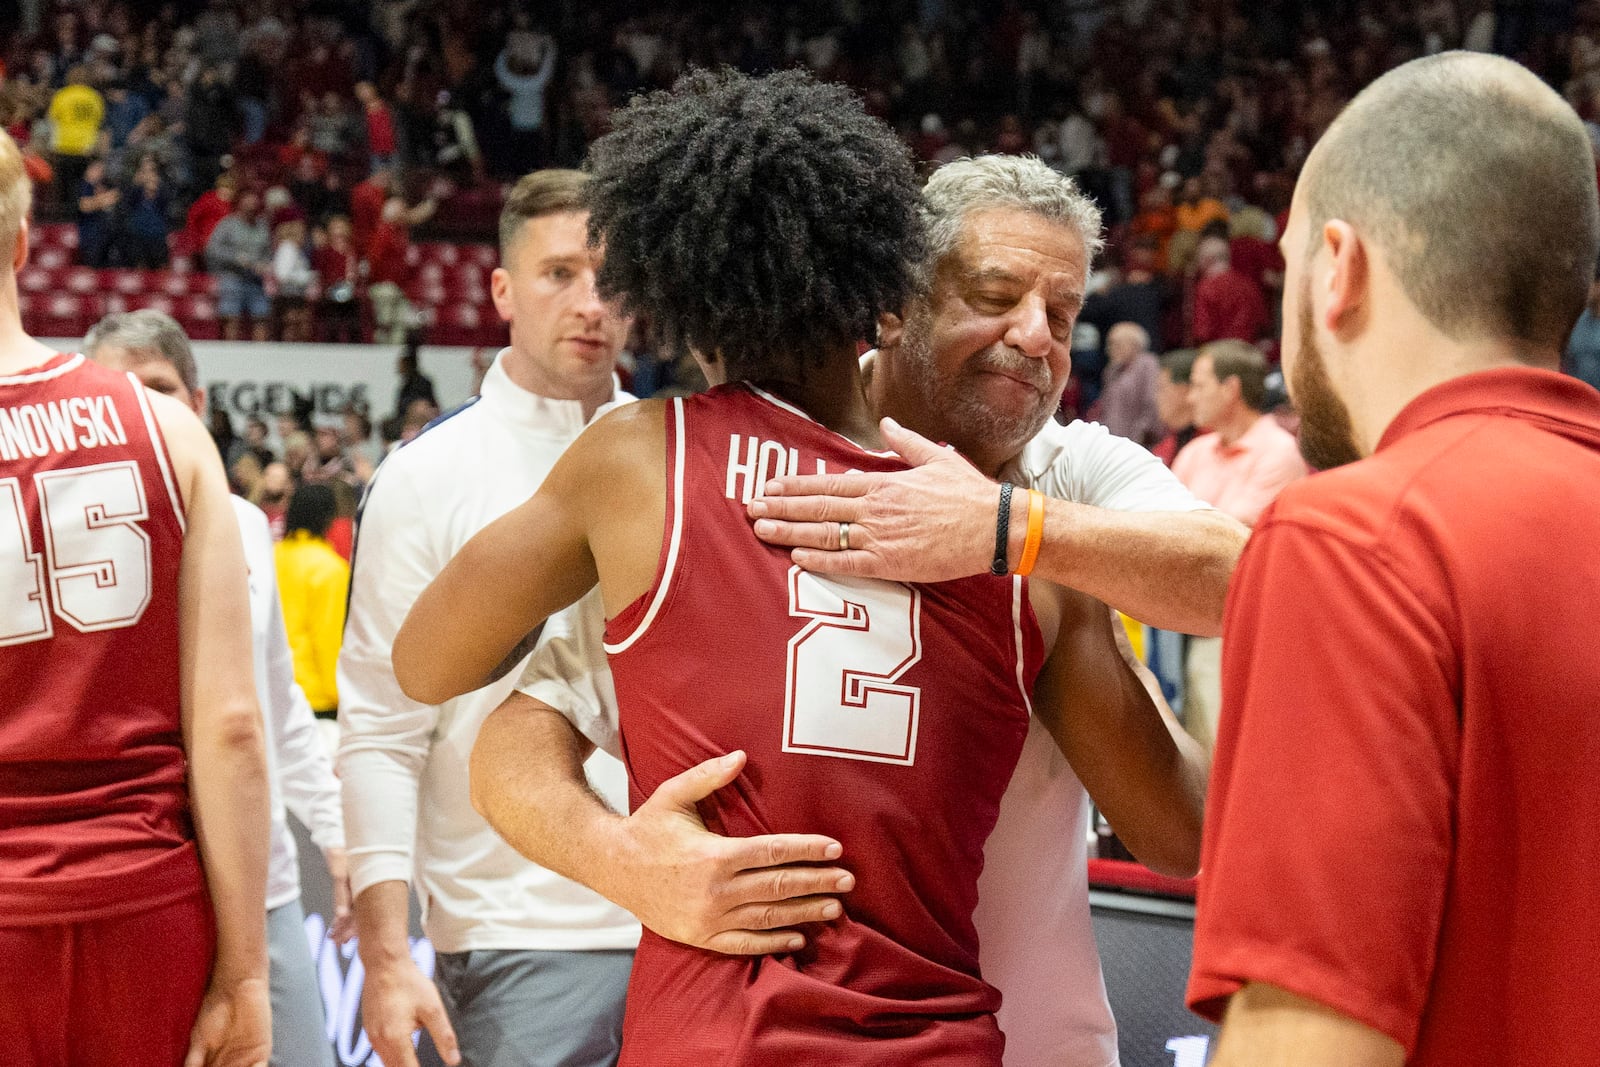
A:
(664, 585)
(1018, 591)
(158, 445)
(45, 375)
(791, 409)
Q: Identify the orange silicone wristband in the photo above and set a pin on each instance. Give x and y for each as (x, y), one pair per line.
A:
(1030, 546)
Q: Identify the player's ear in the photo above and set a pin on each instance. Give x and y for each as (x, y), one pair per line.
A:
(891, 328)
(19, 250)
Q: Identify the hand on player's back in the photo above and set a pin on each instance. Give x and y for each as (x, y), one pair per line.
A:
(738, 896)
(929, 524)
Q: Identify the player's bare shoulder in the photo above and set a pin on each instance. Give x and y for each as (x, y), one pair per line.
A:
(623, 451)
(188, 442)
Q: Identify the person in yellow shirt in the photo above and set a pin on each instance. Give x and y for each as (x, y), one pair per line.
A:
(76, 113)
(314, 583)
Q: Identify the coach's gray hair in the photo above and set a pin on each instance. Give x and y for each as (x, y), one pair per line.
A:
(150, 331)
(983, 183)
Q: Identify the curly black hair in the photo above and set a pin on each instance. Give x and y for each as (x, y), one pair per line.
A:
(763, 221)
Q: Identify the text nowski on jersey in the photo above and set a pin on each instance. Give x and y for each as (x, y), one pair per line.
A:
(78, 422)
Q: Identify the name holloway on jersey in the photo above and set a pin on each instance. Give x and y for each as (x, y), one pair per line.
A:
(33, 431)
(761, 462)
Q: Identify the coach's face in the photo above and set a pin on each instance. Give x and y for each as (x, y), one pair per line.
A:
(986, 354)
(566, 338)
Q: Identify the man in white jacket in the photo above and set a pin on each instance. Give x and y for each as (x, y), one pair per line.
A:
(300, 775)
(531, 967)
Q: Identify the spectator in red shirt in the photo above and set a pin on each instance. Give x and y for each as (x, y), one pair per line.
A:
(1403, 826)
(388, 269)
(366, 205)
(380, 126)
(1227, 305)
(213, 206)
(337, 265)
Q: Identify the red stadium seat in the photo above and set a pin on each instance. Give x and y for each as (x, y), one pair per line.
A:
(36, 280)
(486, 256)
(65, 315)
(81, 280)
(50, 257)
(198, 316)
(127, 282)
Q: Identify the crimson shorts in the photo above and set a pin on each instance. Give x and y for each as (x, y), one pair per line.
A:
(123, 990)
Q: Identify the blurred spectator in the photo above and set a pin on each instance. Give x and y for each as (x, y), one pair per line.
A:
(1238, 466)
(271, 495)
(143, 218)
(381, 145)
(367, 198)
(414, 385)
(255, 441)
(314, 583)
(1195, 209)
(1227, 305)
(76, 112)
(523, 69)
(1127, 404)
(337, 266)
(124, 112)
(334, 131)
(209, 120)
(1140, 294)
(1243, 459)
(205, 213)
(327, 462)
(239, 253)
(291, 270)
(1583, 347)
(389, 269)
(97, 201)
(1173, 405)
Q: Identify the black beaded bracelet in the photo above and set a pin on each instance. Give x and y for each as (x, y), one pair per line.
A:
(1002, 532)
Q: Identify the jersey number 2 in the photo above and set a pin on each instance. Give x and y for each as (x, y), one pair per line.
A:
(97, 557)
(844, 667)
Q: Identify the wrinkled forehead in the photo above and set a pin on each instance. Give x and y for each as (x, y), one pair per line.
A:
(1019, 248)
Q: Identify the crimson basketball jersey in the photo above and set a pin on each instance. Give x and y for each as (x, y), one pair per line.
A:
(887, 716)
(94, 813)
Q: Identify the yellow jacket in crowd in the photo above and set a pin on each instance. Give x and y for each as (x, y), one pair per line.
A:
(314, 582)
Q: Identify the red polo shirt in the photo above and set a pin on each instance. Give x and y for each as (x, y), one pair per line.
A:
(1404, 817)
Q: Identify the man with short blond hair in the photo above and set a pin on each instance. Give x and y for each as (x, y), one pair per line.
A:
(531, 968)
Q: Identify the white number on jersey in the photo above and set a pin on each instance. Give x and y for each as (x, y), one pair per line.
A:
(842, 694)
(98, 557)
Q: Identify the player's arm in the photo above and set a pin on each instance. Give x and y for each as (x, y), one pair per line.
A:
(937, 521)
(1144, 773)
(661, 863)
(1270, 1027)
(534, 560)
(222, 730)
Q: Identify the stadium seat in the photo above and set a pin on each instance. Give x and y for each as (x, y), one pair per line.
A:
(65, 315)
(198, 316)
(81, 280)
(50, 257)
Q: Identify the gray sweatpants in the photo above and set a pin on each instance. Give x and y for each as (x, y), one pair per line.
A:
(299, 1030)
(535, 1009)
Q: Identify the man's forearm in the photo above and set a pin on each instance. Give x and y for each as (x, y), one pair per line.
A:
(528, 783)
(383, 913)
(1167, 569)
(228, 790)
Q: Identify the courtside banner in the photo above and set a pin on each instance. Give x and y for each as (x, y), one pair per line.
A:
(267, 379)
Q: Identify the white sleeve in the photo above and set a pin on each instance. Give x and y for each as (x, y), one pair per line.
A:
(569, 671)
(305, 773)
(384, 736)
(1086, 463)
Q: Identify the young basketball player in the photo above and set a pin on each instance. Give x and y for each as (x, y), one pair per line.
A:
(133, 787)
